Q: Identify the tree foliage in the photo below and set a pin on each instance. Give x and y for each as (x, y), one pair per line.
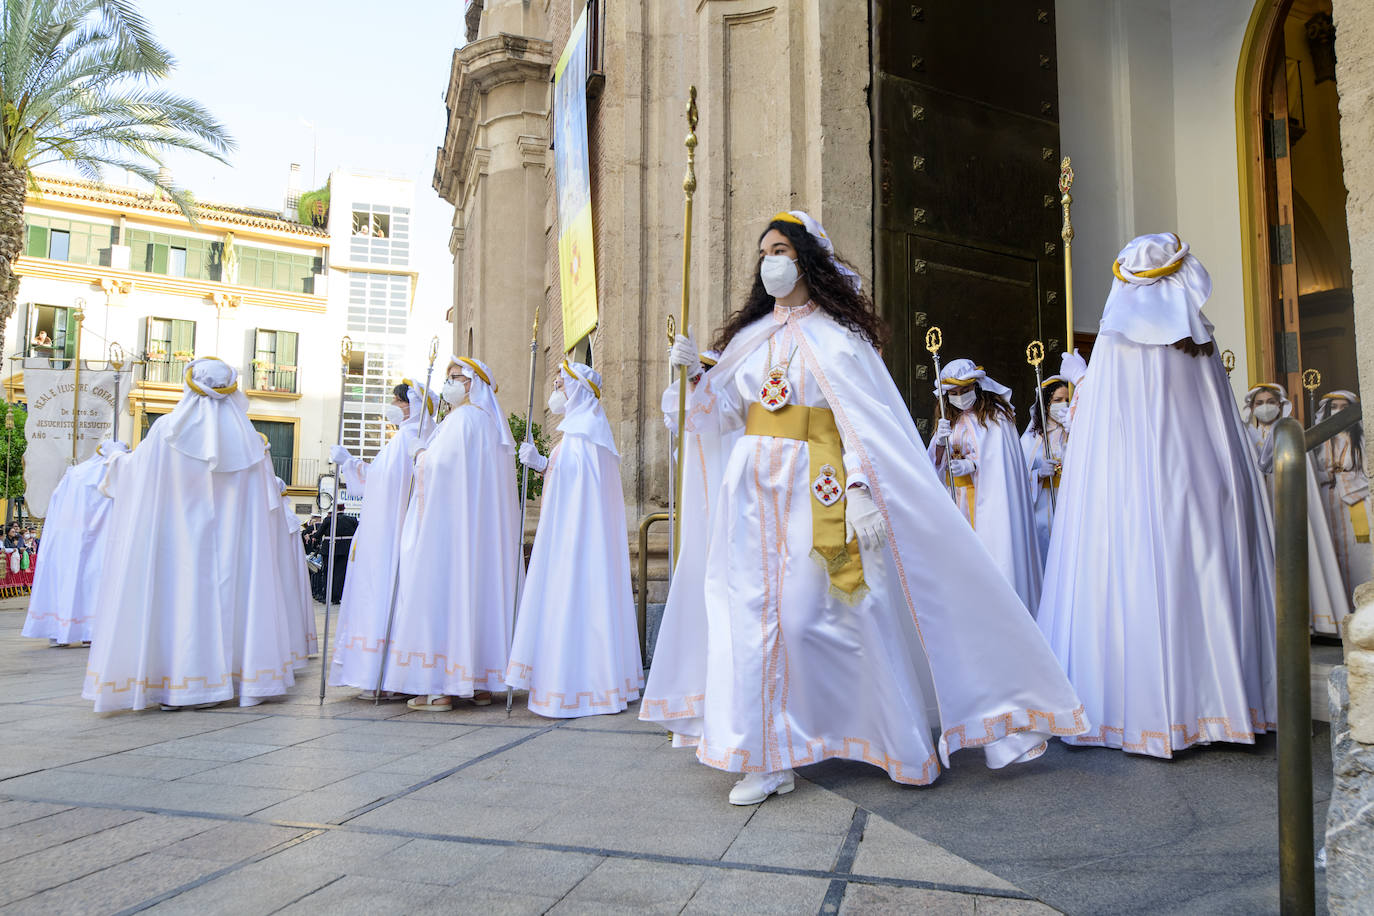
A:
(12, 445)
(535, 487)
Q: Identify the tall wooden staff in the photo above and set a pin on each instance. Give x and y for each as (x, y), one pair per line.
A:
(345, 351)
(689, 187)
(524, 481)
(672, 468)
(1311, 380)
(396, 569)
(1066, 200)
(934, 341)
(1035, 355)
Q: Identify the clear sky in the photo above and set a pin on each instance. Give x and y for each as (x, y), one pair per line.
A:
(370, 76)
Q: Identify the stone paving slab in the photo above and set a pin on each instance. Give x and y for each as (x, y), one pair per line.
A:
(350, 807)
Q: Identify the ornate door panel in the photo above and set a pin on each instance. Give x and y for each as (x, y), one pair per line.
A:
(966, 208)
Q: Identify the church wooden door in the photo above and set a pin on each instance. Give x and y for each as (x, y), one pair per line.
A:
(966, 206)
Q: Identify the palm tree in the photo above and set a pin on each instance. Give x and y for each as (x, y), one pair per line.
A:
(79, 84)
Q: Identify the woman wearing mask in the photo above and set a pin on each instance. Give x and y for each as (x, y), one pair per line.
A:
(1328, 598)
(1345, 492)
(1044, 452)
(828, 599)
(385, 487)
(458, 552)
(576, 643)
(988, 472)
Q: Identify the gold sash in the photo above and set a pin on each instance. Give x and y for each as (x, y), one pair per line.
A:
(1359, 522)
(966, 482)
(816, 427)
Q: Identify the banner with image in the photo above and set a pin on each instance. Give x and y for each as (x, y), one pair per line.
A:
(572, 180)
(48, 430)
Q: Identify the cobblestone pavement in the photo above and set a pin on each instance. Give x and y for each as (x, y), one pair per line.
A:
(348, 807)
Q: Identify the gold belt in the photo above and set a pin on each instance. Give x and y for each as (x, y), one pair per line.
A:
(966, 483)
(1359, 522)
(816, 427)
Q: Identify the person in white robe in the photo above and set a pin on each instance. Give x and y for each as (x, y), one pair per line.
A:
(67, 584)
(195, 610)
(1328, 601)
(829, 600)
(460, 556)
(290, 554)
(1044, 453)
(385, 485)
(989, 474)
(576, 646)
(1159, 587)
(1344, 491)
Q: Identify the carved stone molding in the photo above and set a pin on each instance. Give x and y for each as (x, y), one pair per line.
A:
(223, 301)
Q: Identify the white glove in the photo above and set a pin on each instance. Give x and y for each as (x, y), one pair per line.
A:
(530, 457)
(962, 467)
(943, 430)
(685, 354)
(862, 519)
(338, 454)
(1073, 367)
(1042, 466)
(414, 448)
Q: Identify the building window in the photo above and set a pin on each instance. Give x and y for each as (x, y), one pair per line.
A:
(373, 225)
(146, 421)
(288, 272)
(175, 255)
(381, 235)
(281, 441)
(274, 361)
(47, 333)
(68, 240)
(171, 345)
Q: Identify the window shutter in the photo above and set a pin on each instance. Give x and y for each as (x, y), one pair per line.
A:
(286, 349)
(158, 256)
(183, 336)
(38, 242)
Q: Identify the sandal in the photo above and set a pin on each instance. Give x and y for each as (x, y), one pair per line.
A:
(431, 703)
(481, 698)
(387, 696)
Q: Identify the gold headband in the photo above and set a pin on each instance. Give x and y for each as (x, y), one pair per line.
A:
(429, 402)
(1050, 381)
(1168, 270)
(471, 364)
(590, 384)
(963, 381)
(227, 389)
(785, 217)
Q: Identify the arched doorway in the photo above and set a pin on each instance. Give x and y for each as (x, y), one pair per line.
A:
(1299, 307)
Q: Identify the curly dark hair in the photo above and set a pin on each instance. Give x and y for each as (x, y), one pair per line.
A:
(401, 392)
(831, 291)
(1036, 424)
(987, 408)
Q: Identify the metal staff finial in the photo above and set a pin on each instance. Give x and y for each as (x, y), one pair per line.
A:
(1228, 361)
(345, 349)
(1035, 355)
(1311, 380)
(689, 187)
(934, 341)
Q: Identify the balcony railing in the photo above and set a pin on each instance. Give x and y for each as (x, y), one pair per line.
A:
(275, 378)
(297, 472)
(165, 369)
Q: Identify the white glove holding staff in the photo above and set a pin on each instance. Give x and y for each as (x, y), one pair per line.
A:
(530, 457)
(338, 454)
(685, 355)
(962, 467)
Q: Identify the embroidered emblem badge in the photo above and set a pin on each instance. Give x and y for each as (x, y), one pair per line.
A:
(775, 391)
(826, 487)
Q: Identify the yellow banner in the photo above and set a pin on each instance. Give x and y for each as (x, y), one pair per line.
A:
(576, 251)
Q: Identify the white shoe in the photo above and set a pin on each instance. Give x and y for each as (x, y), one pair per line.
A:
(755, 787)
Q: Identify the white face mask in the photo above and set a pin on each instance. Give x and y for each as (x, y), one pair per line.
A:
(454, 392)
(1267, 413)
(393, 414)
(558, 401)
(964, 401)
(1059, 412)
(779, 275)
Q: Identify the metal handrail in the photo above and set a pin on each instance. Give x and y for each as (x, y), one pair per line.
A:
(642, 599)
(1332, 426)
(1297, 887)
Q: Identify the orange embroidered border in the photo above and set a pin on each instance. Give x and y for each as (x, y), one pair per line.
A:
(691, 708)
(1205, 729)
(859, 749)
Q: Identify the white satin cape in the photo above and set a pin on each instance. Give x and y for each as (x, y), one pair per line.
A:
(576, 641)
(458, 562)
(1159, 586)
(1004, 514)
(1031, 446)
(761, 672)
(300, 615)
(1328, 602)
(385, 485)
(194, 608)
(67, 588)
